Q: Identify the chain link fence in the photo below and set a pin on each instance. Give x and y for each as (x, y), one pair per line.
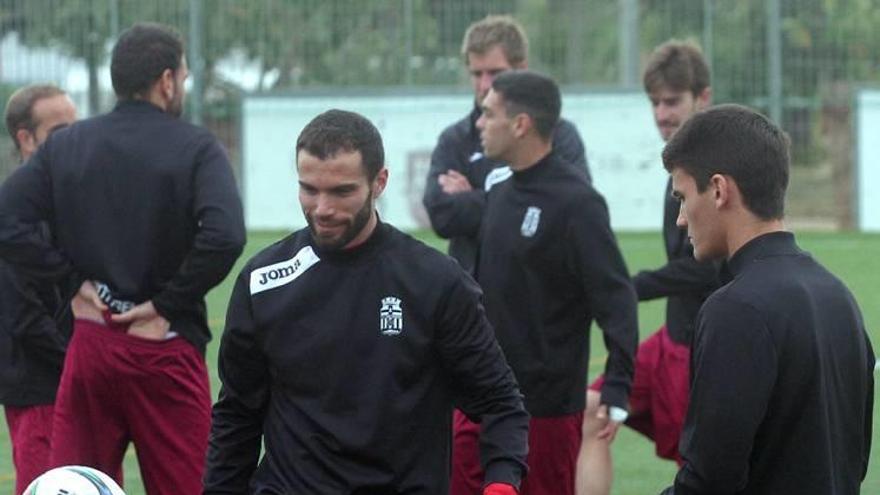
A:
(799, 61)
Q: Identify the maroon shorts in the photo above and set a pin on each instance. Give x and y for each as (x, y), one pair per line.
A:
(30, 433)
(553, 449)
(659, 398)
(117, 388)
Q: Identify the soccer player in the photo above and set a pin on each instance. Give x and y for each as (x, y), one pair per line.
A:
(34, 325)
(676, 80)
(783, 390)
(549, 265)
(347, 343)
(461, 173)
(146, 214)
(33, 112)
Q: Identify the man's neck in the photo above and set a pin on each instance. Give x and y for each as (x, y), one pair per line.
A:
(529, 154)
(749, 229)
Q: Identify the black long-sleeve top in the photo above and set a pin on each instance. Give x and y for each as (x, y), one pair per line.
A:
(549, 264)
(348, 364)
(458, 216)
(35, 326)
(137, 200)
(683, 281)
(782, 387)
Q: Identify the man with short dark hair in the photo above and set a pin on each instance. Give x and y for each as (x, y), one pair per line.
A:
(549, 264)
(147, 217)
(782, 387)
(34, 320)
(341, 358)
(676, 80)
(461, 173)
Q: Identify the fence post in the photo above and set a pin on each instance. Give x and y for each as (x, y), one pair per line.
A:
(196, 62)
(774, 60)
(708, 30)
(629, 42)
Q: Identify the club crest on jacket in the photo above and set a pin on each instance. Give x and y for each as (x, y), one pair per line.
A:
(530, 221)
(390, 316)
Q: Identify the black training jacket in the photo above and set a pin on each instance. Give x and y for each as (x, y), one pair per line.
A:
(138, 200)
(348, 365)
(35, 326)
(782, 387)
(549, 265)
(684, 281)
(457, 217)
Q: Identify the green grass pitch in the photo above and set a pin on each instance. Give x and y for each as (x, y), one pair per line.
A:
(853, 257)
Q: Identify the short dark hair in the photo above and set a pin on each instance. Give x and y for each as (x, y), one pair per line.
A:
(534, 94)
(739, 142)
(339, 130)
(20, 107)
(141, 55)
(496, 30)
(677, 65)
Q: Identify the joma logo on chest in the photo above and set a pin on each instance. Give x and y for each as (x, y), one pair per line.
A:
(279, 273)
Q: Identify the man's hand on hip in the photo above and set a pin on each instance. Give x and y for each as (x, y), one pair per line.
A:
(87, 304)
(144, 321)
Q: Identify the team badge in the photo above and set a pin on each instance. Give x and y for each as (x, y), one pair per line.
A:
(390, 316)
(530, 221)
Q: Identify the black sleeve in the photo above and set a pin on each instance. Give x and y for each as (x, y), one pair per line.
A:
(452, 215)
(219, 239)
(567, 142)
(609, 292)
(237, 417)
(25, 203)
(869, 405)
(32, 317)
(485, 387)
(679, 276)
(728, 400)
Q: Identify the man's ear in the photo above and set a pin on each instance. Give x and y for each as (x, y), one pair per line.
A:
(167, 84)
(26, 140)
(723, 190)
(522, 123)
(704, 99)
(380, 182)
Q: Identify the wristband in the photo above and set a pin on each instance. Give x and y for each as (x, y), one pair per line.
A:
(617, 414)
(499, 489)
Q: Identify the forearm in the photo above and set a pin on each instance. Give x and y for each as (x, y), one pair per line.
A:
(678, 277)
(233, 448)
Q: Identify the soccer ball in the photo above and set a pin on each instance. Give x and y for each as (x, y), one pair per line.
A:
(73, 480)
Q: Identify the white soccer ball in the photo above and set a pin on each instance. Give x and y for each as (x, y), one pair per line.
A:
(73, 480)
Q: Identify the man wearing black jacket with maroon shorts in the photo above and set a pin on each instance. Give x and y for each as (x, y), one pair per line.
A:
(549, 264)
(35, 318)
(782, 388)
(677, 83)
(145, 213)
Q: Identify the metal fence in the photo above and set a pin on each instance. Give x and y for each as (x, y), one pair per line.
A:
(797, 60)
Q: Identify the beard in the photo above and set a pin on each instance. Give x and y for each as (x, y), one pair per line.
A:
(354, 227)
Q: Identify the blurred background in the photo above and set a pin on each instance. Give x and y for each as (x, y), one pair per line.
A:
(799, 61)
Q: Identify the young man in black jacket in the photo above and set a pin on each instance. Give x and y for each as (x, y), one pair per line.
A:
(34, 317)
(347, 344)
(676, 80)
(549, 264)
(461, 173)
(145, 213)
(783, 387)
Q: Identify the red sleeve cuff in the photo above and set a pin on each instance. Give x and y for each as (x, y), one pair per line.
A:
(499, 489)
